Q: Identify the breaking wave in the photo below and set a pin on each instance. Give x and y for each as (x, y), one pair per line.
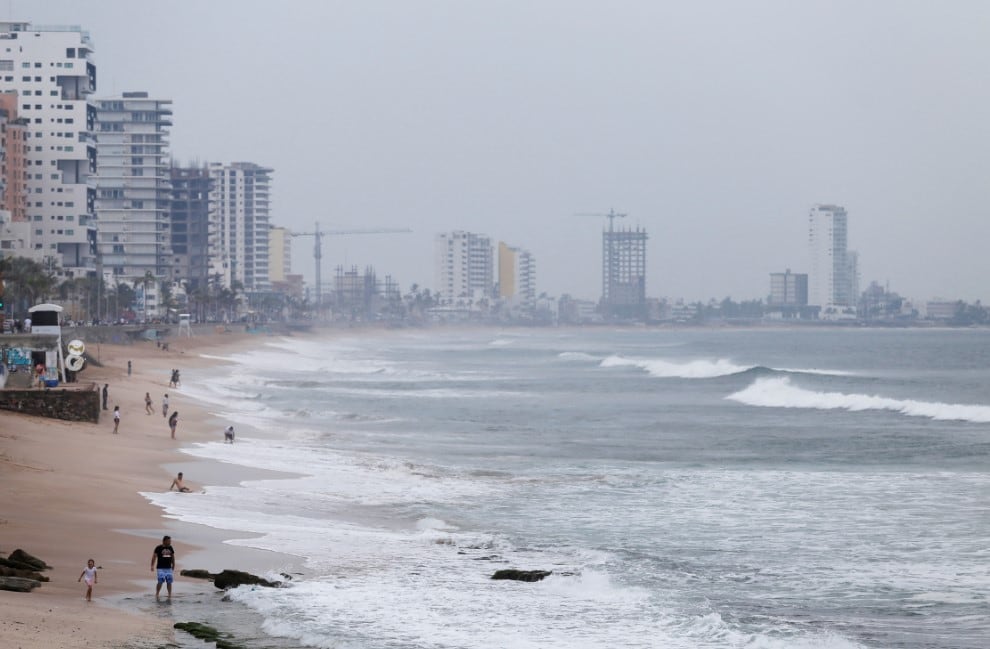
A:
(778, 392)
(704, 368)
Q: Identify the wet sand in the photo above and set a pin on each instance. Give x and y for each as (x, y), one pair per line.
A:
(70, 492)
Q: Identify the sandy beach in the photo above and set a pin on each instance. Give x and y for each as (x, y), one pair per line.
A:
(71, 493)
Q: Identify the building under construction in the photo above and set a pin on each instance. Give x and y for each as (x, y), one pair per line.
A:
(357, 296)
(624, 273)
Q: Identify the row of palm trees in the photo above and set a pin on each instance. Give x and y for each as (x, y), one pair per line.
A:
(25, 282)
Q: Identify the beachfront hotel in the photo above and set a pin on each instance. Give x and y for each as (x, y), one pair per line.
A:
(240, 196)
(50, 70)
(832, 282)
(464, 266)
(133, 189)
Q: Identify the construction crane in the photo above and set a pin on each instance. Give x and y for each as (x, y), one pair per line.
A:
(318, 235)
(611, 215)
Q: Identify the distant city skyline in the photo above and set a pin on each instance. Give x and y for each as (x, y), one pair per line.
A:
(716, 127)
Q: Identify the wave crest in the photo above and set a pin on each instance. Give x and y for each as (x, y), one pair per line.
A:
(777, 392)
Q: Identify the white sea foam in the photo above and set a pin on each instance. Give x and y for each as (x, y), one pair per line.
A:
(578, 356)
(779, 392)
(696, 369)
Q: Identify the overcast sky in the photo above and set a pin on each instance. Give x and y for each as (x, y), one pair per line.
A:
(714, 125)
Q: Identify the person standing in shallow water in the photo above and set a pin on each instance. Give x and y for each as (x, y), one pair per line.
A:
(89, 573)
(173, 421)
(163, 560)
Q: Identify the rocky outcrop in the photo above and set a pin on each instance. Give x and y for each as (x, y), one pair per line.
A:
(20, 556)
(18, 584)
(234, 578)
(521, 575)
(20, 572)
(197, 574)
(25, 574)
(226, 579)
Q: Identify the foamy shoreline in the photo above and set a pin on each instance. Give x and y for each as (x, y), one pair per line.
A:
(72, 492)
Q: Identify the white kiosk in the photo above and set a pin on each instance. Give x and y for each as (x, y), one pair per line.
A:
(45, 321)
(184, 325)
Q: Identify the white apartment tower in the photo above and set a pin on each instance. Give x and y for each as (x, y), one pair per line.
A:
(133, 187)
(464, 266)
(833, 278)
(240, 195)
(50, 70)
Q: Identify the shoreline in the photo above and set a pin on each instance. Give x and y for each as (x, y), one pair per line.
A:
(73, 492)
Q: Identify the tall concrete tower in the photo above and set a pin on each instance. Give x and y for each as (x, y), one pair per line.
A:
(830, 282)
(133, 187)
(50, 70)
(241, 196)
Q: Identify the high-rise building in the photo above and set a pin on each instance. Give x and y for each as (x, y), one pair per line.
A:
(192, 228)
(15, 231)
(464, 266)
(624, 272)
(50, 70)
(279, 254)
(241, 199)
(788, 289)
(516, 276)
(832, 282)
(133, 188)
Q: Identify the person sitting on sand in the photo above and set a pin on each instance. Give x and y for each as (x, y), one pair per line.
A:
(178, 486)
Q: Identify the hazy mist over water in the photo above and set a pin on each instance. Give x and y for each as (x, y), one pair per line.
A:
(715, 125)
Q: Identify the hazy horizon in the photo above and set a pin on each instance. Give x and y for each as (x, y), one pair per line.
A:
(714, 125)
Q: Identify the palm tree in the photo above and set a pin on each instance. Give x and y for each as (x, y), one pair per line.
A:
(27, 282)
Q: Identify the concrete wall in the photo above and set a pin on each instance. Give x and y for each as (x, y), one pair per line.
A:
(76, 404)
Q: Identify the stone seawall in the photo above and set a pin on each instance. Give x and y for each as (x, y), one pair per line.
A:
(72, 404)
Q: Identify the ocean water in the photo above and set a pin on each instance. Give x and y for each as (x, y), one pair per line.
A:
(760, 489)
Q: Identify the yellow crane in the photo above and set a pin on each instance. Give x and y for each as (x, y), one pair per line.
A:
(318, 235)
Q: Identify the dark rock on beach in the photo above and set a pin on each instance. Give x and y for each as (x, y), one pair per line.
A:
(234, 578)
(18, 584)
(6, 571)
(20, 556)
(198, 574)
(520, 575)
(208, 634)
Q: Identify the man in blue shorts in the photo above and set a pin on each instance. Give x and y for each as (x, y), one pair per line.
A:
(163, 560)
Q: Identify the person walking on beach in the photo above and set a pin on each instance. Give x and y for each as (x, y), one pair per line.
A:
(178, 485)
(171, 381)
(163, 560)
(165, 405)
(106, 393)
(228, 434)
(147, 404)
(89, 574)
(173, 421)
(116, 419)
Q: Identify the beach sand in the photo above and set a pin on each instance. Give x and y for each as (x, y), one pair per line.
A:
(71, 493)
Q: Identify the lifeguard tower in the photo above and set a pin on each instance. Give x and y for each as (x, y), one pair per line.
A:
(46, 334)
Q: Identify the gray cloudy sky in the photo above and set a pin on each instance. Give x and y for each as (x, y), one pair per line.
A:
(715, 125)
